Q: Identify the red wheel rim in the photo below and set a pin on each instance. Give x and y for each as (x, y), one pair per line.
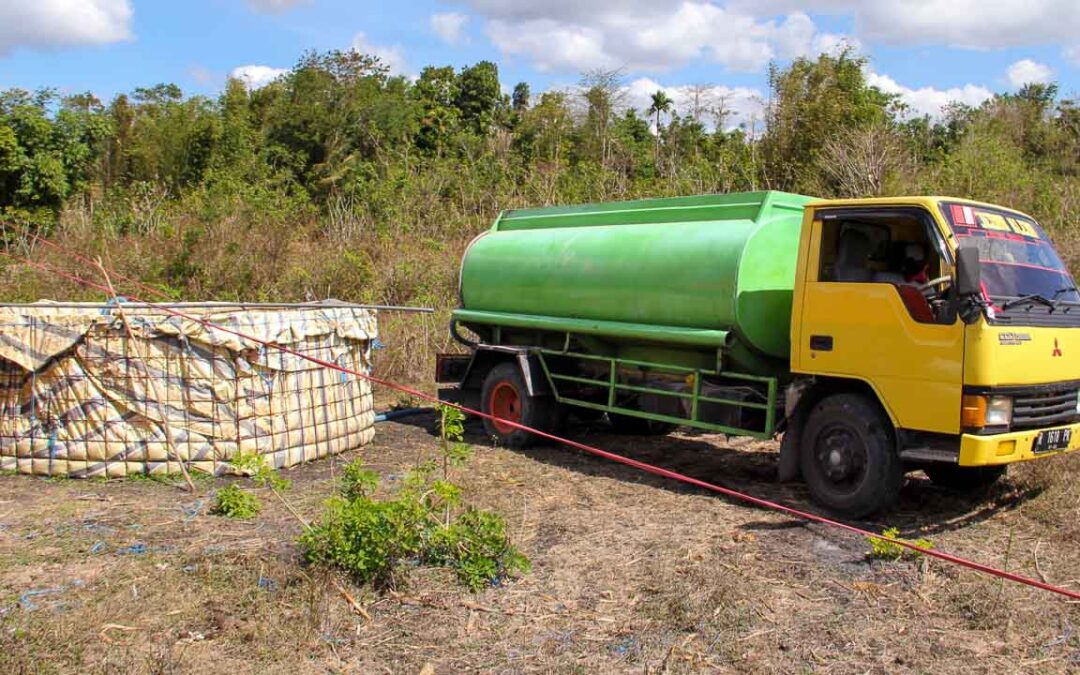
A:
(505, 405)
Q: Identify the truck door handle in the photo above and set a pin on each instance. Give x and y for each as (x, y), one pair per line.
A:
(821, 343)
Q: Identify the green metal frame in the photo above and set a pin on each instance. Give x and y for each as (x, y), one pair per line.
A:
(613, 386)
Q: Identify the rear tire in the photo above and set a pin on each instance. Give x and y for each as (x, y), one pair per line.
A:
(965, 478)
(848, 456)
(506, 396)
(638, 426)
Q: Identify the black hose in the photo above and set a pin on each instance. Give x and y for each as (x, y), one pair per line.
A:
(403, 412)
(458, 337)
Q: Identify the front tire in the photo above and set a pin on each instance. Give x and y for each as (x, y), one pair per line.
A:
(505, 396)
(965, 478)
(848, 456)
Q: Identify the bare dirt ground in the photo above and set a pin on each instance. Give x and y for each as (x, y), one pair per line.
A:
(631, 573)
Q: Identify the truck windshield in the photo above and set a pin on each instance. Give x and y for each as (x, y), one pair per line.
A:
(1017, 259)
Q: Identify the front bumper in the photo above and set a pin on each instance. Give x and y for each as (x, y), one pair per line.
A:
(1009, 447)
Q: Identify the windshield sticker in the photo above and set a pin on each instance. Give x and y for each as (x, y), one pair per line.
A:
(992, 221)
(1023, 227)
(974, 217)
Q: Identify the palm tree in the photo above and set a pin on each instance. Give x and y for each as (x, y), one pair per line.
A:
(661, 103)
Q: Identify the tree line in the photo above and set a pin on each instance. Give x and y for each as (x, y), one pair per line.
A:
(340, 178)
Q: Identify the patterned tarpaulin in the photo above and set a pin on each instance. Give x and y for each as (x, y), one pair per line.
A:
(78, 397)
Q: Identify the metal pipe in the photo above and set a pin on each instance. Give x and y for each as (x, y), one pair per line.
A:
(216, 305)
(698, 337)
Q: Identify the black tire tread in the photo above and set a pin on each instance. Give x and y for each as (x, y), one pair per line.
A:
(885, 472)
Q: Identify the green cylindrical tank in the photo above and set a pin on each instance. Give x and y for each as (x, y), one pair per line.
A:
(684, 270)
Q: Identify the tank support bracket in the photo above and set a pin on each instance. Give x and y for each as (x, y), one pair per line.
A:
(560, 382)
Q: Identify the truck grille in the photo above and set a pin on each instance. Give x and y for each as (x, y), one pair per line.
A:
(1044, 408)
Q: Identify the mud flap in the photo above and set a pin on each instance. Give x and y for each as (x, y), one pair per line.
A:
(788, 469)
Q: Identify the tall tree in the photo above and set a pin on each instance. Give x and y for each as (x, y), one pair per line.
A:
(660, 103)
(520, 99)
(478, 96)
(437, 91)
(603, 93)
(810, 102)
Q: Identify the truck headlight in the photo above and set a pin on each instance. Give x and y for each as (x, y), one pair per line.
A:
(987, 411)
(999, 411)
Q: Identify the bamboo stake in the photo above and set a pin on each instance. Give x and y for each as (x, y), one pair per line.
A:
(153, 385)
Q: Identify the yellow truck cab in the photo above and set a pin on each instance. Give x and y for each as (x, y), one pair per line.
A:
(958, 317)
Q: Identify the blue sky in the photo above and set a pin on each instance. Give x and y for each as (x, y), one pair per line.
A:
(926, 51)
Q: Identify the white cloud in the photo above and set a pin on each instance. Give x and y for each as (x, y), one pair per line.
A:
(968, 24)
(550, 45)
(1027, 71)
(929, 100)
(391, 56)
(575, 35)
(255, 76)
(50, 24)
(739, 104)
(450, 26)
(273, 6)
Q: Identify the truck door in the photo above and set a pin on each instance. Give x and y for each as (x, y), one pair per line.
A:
(867, 312)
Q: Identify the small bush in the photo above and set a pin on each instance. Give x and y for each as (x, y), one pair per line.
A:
(477, 548)
(882, 549)
(262, 473)
(375, 540)
(357, 481)
(424, 523)
(235, 502)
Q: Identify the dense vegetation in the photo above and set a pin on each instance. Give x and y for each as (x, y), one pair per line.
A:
(340, 180)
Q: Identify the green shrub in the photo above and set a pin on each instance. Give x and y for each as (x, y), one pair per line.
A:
(367, 538)
(423, 523)
(357, 481)
(476, 546)
(235, 502)
(261, 472)
(882, 549)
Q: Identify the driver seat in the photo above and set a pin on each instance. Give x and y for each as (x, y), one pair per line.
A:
(852, 253)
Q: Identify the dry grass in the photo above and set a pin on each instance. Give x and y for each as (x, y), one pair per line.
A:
(253, 257)
(631, 573)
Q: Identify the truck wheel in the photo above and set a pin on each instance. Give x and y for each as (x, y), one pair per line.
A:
(964, 478)
(848, 456)
(638, 426)
(505, 396)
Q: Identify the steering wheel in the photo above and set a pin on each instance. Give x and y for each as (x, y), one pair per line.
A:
(930, 287)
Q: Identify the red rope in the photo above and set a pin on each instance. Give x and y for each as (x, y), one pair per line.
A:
(649, 468)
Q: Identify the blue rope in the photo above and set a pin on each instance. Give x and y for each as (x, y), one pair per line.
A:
(112, 302)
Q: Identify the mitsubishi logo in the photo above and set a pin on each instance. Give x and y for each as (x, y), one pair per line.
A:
(1057, 349)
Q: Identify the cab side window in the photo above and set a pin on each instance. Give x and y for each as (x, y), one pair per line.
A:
(886, 246)
(852, 251)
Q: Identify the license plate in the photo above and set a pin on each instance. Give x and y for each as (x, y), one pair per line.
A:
(1052, 439)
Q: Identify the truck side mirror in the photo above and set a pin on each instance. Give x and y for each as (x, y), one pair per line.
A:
(968, 284)
(968, 277)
